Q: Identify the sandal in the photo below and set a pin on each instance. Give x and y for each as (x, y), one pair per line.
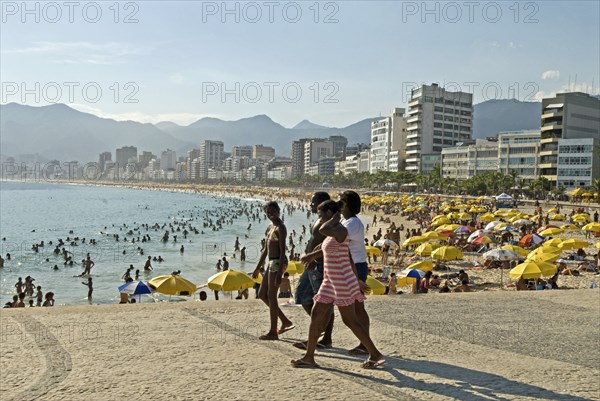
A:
(299, 363)
(286, 328)
(270, 336)
(371, 364)
(300, 345)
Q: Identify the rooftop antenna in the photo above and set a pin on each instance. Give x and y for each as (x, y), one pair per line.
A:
(575, 83)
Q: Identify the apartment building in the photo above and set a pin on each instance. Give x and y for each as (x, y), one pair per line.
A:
(577, 164)
(388, 142)
(465, 161)
(437, 119)
(573, 115)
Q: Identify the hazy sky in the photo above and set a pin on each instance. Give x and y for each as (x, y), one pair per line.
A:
(333, 63)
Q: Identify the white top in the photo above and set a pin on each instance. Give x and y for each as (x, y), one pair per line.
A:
(356, 234)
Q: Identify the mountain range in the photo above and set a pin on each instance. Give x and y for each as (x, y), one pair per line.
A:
(60, 132)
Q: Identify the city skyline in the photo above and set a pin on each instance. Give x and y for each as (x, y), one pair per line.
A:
(355, 62)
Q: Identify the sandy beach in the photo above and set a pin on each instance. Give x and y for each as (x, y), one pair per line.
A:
(538, 345)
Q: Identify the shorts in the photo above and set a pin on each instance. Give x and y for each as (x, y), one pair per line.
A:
(275, 266)
(362, 270)
(309, 284)
(286, 294)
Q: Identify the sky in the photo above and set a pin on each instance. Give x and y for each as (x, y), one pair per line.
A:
(332, 62)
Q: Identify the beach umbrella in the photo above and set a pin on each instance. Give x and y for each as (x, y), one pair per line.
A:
(172, 284)
(531, 238)
(553, 210)
(501, 255)
(426, 248)
(531, 269)
(447, 253)
(376, 287)
(487, 218)
(490, 226)
(414, 240)
(594, 227)
(373, 250)
(135, 288)
(440, 222)
(581, 218)
(295, 267)
(522, 222)
(464, 216)
(546, 249)
(552, 242)
(409, 276)
(385, 241)
(598, 245)
(539, 230)
(520, 251)
(463, 230)
(558, 217)
(506, 229)
(425, 265)
(434, 235)
(485, 239)
(544, 257)
(476, 234)
(448, 227)
(573, 243)
(569, 227)
(551, 231)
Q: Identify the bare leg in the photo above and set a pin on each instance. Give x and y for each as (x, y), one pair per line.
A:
(318, 319)
(274, 309)
(351, 320)
(363, 319)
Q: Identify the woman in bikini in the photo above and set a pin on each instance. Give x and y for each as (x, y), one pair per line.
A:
(275, 250)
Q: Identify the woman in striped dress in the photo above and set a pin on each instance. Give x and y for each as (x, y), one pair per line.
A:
(340, 287)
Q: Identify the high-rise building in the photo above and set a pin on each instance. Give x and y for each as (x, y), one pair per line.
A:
(388, 142)
(102, 159)
(261, 152)
(577, 165)
(211, 157)
(298, 156)
(466, 161)
(573, 115)
(339, 146)
(241, 151)
(191, 156)
(168, 160)
(437, 118)
(124, 154)
(314, 151)
(145, 158)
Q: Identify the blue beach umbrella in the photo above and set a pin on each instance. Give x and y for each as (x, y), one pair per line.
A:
(135, 288)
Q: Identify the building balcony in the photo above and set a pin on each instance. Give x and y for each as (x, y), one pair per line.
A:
(414, 103)
(552, 114)
(415, 153)
(413, 119)
(549, 137)
(412, 145)
(551, 127)
(548, 152)
(547, 165)
(413, 135)
(414, 110)
(413, 127)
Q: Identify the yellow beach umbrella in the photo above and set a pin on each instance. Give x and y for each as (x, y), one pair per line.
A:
(546, 249)
(598, 245)
(295, 267)
(425, 265)
(553, 210)
(573, 243)
(488, 218)
(552, 242)
(595, 227)
(414, 240)
(558, 217)
(569, 227)
(434, 235)
(517, 249)
(581, 217)
(448, 227)
(373, 250)
(426, 248)
(440, 222)
(551, 231)
(464, 216)
(544, 257)
(376, 287)
(172, 285)
(447, 253)
(531, 269)
(230, 280)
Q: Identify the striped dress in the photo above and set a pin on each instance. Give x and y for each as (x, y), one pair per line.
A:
(340, 285)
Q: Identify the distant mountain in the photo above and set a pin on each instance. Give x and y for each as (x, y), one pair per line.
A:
(60, 132)
(494, 116)
(305, 124)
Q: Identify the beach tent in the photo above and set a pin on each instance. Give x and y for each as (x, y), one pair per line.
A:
(504, 201)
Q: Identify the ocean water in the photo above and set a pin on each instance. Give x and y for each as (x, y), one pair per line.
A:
(35, 212)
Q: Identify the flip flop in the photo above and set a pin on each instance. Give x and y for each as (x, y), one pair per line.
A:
(299, 363)
(269, 337)
(300, 345)
(284, 329)
(358, 351)
(324, 345)
(371, 364)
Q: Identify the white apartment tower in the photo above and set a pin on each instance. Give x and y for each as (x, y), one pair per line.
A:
(211, 157)
(437, 119)
(388, 142)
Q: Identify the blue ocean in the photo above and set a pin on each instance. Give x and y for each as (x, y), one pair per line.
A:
(34, 212)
